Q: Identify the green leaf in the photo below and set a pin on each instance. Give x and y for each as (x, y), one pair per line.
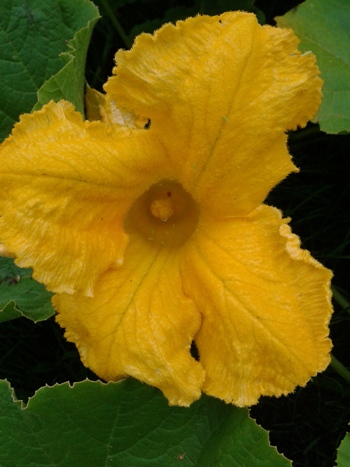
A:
(127, 424)
(343, 458)
(69, 82)
(20, 295)
(33, 34)
(323, 27)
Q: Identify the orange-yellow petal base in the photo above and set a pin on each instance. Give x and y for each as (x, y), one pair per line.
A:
(256, 305)
(139, 322)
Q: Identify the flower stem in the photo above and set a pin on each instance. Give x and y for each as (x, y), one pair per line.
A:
(340, 368)
(116, 24)
(340, 299)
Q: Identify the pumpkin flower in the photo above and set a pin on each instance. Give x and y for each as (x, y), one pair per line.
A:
(155, 236)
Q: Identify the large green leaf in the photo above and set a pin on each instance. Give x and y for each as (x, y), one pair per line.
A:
(20, 295)
(323, 27)
(127, 424)
(33, 34)
(68, 83)
(343, 458)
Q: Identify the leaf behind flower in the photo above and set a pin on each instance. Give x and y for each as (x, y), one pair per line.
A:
(323, 27)
(127, 424)
(40, 40)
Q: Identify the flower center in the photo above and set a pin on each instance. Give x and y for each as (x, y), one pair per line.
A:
(162, 208)
(165, 214)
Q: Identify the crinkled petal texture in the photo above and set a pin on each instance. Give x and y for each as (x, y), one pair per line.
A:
(156, 238)
(139, 323)
(66, 187)
(256, 305)
(221, 92)
(265, 304)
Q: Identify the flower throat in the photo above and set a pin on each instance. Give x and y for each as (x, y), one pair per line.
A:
(165, 214)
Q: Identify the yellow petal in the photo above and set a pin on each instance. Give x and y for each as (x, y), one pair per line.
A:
(139, 323)
(66, 186)
(221, 92)
(100, 108)
(266, 307)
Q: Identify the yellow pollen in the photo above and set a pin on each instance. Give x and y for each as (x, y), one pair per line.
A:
(162, 208)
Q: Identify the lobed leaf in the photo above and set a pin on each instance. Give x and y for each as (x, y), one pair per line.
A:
(68, 83)
(343, 458)
(20, 295)
(127, 424)
(33, 34)
(323, 27)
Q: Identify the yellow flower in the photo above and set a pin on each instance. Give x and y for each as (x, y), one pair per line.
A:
(156, 236)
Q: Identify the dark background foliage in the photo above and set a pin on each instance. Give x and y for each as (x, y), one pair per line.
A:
(308, 425)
